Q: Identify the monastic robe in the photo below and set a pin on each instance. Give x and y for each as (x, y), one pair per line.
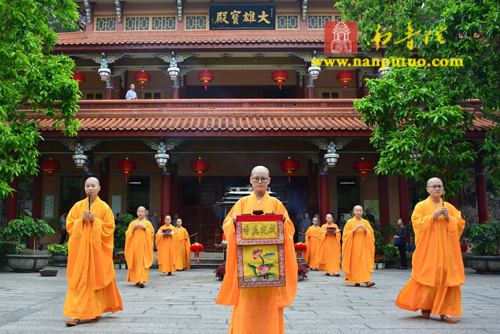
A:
(167, 249)
(329, 250)
(358, 251)
(183, 259)
(312, 254)
(438, 269)
(258, 310)
(91, 275)
(139, 251)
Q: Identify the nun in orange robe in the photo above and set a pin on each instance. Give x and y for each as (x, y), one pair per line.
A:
(139, 246)
(312, 253)
(91, 275)
(330, 248)
(183, 259)
(358, 249)
(167, 248)
(438, 269)
(258, 310)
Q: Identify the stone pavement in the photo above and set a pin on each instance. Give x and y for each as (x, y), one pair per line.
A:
(184, 303)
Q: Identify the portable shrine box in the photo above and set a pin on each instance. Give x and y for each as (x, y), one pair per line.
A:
(260, 247)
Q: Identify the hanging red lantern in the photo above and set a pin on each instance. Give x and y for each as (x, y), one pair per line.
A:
(279, 76)
(205, 77)
(289, 166)
(142, 78)
(300, 247)
(79, 77)
(345, 77)
(127, 166)
(199, 166)
(196, 248)
(363, 166)
(50, 166)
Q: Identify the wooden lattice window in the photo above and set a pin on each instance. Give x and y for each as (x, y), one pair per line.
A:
(317, 21)
(284, 22)
(152, 95)
(144, 23)
(196, 22)
(330, 94)
(94, 96)
(105, 24)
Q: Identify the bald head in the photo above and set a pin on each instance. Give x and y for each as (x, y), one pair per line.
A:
(260, 169)
(432, 179)
(93, 179)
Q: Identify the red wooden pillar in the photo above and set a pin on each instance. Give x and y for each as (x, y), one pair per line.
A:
(360, 89)
(300, 89)
(404, 210)
(383, 200)
(165, 195)
(176, 90)
(12, 201)
(310, 87)
(324, 196)
(108, 91)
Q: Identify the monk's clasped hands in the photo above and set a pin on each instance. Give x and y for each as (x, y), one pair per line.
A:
(88, 215)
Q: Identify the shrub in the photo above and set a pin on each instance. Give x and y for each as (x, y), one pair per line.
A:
(220, 271)
(485, 238)
(58, 249)
(6, 248)
(302, 270)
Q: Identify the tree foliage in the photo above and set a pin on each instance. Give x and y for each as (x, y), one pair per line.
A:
(418, 112)
(34, 82)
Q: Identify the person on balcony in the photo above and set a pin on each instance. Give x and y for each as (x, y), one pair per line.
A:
(438, 268)
(358, 249)
(139, 248)
(131, 94)
(92, 288)
(258, 310)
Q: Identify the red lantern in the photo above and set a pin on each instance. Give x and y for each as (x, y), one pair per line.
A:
(127, 166)
(196, 248)
(200, 166)
(279, 76)
(143, 78)
(289, 166)
(345, 77)
(79, 77)
(363, 166)
(50, 166)
(205, 77)
(299, 248)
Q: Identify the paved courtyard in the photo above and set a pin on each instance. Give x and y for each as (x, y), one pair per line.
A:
(184, 303)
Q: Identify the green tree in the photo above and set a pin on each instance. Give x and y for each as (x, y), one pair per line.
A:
(421, 115)
(34, 82)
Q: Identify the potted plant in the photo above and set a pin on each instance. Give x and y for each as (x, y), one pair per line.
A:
(485, 241)
(380, 261)
(220, 271)
(302, 271)
(21, 231)
(118, 261)
(59, 254)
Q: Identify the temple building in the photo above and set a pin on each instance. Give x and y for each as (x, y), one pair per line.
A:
(221, 87)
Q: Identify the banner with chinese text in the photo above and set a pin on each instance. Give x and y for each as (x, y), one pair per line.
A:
(242, 17)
